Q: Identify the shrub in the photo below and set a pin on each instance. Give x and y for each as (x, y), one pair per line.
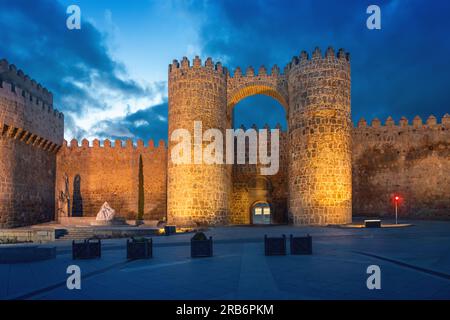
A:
(199, 236)
(138, 239)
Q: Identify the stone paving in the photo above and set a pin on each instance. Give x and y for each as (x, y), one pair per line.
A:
(414, 262)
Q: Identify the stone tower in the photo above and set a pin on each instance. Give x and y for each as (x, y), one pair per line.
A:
(197, 193)
(31, 133)
(320, 126)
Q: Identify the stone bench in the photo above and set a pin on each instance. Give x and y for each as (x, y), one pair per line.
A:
(374, 223)
(22, 253)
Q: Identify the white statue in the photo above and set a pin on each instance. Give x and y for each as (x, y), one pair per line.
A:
(106, 213)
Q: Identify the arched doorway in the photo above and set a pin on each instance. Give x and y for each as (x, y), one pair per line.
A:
(77, 199)
(261, 213)
(249, 187)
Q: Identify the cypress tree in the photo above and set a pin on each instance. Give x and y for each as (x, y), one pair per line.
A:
(140, 215)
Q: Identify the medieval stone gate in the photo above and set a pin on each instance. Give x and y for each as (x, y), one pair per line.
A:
(313, 185)
(315, 93)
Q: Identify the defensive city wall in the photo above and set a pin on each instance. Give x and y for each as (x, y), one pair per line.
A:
(31, 133)
(329, 169)
(110, 172)
(410, 159)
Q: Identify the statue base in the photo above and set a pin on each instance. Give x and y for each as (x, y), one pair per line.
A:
(117, 221)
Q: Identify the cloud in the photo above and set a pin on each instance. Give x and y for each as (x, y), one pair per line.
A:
(402, 69)
(146, 124)
(90, 87)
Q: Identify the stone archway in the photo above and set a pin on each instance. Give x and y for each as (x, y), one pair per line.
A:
(248, 185)
(248, 90)
(241, 86)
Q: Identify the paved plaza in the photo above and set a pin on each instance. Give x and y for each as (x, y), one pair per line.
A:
(414, 262)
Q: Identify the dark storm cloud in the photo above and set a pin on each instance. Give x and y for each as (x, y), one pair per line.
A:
(402, 69)
(156, 126)
(68, 62)
(147, 124)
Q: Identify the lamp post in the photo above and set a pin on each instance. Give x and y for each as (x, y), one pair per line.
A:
(396, 208)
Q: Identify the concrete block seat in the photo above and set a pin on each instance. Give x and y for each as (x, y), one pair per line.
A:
(20, 253)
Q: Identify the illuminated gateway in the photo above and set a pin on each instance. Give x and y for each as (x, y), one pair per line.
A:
(329, 169)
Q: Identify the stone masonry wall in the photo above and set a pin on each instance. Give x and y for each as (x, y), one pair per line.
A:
(409, 160)
(197, 193)
(27, 184)
(320, 188)
(31, 133)
(110, 173)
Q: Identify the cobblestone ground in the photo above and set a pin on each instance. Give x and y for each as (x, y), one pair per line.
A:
(414, 262)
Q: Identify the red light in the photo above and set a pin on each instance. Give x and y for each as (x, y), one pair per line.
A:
(396, 198)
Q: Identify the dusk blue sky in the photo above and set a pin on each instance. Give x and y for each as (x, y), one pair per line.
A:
(110, 77)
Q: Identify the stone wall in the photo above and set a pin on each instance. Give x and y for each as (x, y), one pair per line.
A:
(31, 133)
(27, 184)
(197, 193)
(320, 188)
(100, 173)
(409, 160)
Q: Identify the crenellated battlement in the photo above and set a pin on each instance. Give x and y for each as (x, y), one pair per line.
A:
(340, 58)
(416, 123)
(304, 58)
(265, 126)
(14, 93)
(118, 144)
(405, 136)
(18, 79)
(185, 64)
(262, 72)
(27, 107)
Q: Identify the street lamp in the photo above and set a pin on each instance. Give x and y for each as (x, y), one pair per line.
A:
(396, 208)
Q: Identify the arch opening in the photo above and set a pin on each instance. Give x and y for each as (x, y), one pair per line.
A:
(259, 110)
